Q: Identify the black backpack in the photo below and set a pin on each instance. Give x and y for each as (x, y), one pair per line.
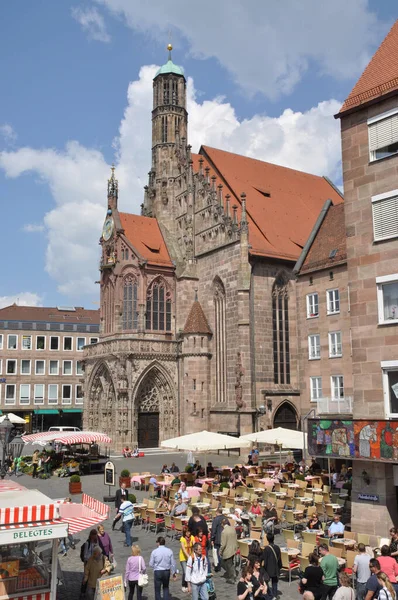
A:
(82, 551)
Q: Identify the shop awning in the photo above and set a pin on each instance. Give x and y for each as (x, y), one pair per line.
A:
(75, 437)
(89, 513)
(72, 410)
(46, 411)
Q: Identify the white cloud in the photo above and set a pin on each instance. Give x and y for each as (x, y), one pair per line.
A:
(77, 175)
(92, 23)
(33, 228)
(22, 299)
(267, 47)
(8, 133)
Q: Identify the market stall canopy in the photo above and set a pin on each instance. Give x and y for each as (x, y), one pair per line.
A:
(69, 438)
(13, 418)
(284, 438)
(89, 513)
(204, 441)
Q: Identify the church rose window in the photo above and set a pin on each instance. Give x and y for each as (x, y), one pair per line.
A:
(280, 330)
(158, 307)
(130, 303)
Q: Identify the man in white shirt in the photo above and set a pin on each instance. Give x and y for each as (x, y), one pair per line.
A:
(196, 574)
(362, 571)
(336, 528)
(183, 492)
(126, 509)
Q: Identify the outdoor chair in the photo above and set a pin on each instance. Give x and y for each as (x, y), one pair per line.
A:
(289, 565)
(288, 534)
(304, 563)
(307, 548)
(293, 544)
(178, 525)
(169, 525)
(156, 522)
(350, 557)
(336, 551)
(309, 538)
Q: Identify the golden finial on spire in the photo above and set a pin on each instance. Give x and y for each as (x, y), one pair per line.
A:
(169, 47)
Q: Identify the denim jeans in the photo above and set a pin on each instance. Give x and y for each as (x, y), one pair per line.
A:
(162, 579)
(199, 591)
(183, 564)
(127, 530)
(329, 591)
(361, 590)
(274, 586)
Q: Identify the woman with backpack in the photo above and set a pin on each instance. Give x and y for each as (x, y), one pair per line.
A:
(96, 566)
(196, 574)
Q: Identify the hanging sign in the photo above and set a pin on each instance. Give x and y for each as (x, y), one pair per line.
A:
(109, 473)
(369, 497)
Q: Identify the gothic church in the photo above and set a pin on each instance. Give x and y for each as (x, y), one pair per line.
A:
(198, 295)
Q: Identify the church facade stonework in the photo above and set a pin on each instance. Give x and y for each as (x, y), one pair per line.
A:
(198, 295)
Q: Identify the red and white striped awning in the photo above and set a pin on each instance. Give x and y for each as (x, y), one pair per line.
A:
(89, 513)
(28, 514)
(42, 596)
(72, 437)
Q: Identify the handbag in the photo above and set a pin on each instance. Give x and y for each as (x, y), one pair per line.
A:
(215, 556)
(142, 577)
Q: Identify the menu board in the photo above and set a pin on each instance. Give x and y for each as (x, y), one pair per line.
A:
(110, 588)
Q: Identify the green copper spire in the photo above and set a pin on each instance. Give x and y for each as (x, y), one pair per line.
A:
(170, 67)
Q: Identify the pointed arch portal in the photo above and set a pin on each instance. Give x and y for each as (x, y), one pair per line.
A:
(286, 416)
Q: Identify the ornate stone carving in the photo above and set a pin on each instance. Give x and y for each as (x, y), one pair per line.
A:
(239, 372)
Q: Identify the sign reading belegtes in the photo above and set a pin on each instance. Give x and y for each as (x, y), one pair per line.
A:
(33, 534)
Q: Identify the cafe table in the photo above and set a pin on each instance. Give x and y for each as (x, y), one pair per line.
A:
(305, 500)
(334, 506)
(293, 486)
(346, 541)
(202, 504)
(204, 480)
(140, 505)
(291, 551)
(280, 494)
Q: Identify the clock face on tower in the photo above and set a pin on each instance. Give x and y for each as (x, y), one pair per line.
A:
(107, 229)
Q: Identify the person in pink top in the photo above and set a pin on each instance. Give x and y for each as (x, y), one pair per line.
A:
(389, 566)
(134, 567)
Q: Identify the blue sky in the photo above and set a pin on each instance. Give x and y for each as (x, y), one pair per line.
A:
(265, 80)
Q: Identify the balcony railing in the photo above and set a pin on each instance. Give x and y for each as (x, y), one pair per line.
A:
(334, 406)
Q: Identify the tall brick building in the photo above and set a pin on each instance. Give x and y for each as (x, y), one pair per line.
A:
(198, 296)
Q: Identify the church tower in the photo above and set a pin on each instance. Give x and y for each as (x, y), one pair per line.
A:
(169, 145)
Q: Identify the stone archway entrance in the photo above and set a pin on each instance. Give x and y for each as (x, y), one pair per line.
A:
(155, 410)
(285, 416)
(101, 402)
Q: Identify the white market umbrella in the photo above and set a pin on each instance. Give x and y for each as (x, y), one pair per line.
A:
(284, 438)
(14, 419)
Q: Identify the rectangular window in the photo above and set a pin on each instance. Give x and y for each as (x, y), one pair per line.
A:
(10, 393)
(387, 298)
(68, 343)
(333, 302)
(80, 342)
(383, 135)
(12, 342)
(79, 394)
(312, 306)
(66, 394)
(67, 367)
(25, 367)
(39, 393)
(79, 368)
(1, 341)
(94, 340)
(26, 342)
(54, 342)
(1, 366)
(314, 347)
(385, 216)
(11, 368)
(335, 346)
(40, 342)
(316, 388)
(24, 393)
(390, 388)
(40, 367)
(337, 386)
(54, 367)
(53, 393)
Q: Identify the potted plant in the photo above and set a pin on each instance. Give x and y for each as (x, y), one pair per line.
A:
(75, 485)
(125, 478)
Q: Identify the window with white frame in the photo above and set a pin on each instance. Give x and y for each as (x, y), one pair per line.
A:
(25, 366)
(337, 386)
(316, 388)
(54, 367)
(40, 342)
(333, 302)
(68, 343)
(53, 393)
(390, 388)
(387, 298)
(11, 367)
(24, 393)
(312, 305)
(39, 393)
(1, 341)
(10, 393)
(67, 367)
(40, 367)
(335, 346)
(314, 346)
(79, 394)
(94, 340)
(12, 342)
(383, 135)
(80, 343)
(26, 342)
(79, 368)
(66, 394)
(385, 216)
(54, 342)
(1, 366)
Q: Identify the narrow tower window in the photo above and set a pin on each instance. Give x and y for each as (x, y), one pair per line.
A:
(280, 330)
(164, 129)
(166, 95)
(174, 95)
(220, 342)
(130, 306)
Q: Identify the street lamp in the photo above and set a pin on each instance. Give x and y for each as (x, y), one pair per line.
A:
(6, 428)
(260, 411)
(16, 446)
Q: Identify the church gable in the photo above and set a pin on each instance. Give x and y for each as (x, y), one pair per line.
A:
(145, 238)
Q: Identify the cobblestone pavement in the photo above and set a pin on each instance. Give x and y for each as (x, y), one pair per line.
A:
(71, 565)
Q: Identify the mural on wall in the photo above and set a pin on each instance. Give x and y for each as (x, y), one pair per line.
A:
(369, 440)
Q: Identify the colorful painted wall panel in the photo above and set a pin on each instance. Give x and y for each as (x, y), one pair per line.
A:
(365, 440)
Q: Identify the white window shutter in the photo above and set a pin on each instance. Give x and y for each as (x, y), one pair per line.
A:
(385, 218)
(383, 133)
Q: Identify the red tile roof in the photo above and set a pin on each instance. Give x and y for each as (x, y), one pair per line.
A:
(50, 314)
(282, 204)
(196, 321)
(331, 237)
(145, 236)
(380, 76)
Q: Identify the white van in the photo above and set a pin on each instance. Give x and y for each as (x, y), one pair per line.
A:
(64, 429)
